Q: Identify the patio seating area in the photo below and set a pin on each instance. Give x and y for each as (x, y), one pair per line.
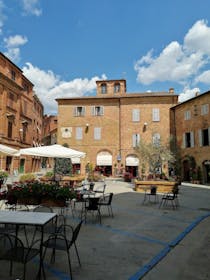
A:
(137, 238)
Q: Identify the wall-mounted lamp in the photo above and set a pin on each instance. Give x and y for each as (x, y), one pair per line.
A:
(145, 126)
(21, 130)
(86, 127)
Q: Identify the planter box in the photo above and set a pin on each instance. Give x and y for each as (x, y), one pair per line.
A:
(162, 186)
(53, 202)
(28, 201)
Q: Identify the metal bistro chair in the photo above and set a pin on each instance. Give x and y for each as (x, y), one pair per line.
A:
(12, 249)
(91, 205)
(99, 188)
(153, 193)
(51, 227)
(63, 240)
(107, 201)
(172, 197)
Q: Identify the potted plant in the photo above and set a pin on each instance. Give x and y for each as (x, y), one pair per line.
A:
(3, 177)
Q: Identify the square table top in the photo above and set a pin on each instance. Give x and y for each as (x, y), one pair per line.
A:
(25, 217)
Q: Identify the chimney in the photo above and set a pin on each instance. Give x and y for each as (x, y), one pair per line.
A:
(197, 93)
(171, 90)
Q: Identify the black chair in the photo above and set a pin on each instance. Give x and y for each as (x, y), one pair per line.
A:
(12, 249)
(50, 227)
(100, 188)
(153, 193)
(107, 201)
(61, 241)
(172, 197)
(91, 205)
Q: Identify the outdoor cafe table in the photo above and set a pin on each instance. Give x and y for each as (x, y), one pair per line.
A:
(25, 218)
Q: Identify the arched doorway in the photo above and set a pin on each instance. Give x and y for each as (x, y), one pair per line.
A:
(104, 163)
(131, 165)
(206, 171)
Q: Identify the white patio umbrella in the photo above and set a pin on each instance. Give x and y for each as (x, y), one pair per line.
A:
(52, 151)
(5, 150)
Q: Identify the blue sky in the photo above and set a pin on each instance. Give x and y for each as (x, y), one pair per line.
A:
(64, 46)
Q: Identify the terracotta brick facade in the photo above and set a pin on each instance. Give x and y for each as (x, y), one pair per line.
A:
(111, 112)
(190, 123)
(21, 116)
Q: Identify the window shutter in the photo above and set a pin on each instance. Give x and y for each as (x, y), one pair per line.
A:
(156, 114)
(93, 110)
(200, 138)
(135, 115)
(101, 110)
(83, 110)
(135, 140)
(79, 133)
(75, 111)
(209, 134)
(183, 141)
(192, 142)
(97, 133)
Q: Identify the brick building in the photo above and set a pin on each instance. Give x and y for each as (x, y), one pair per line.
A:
(21, 116)
(108, 126)
(190, 126)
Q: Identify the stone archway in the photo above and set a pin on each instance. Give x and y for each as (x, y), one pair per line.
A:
(104, 163)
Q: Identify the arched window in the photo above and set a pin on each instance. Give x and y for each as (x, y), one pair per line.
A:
(116, 87)
(103, 88)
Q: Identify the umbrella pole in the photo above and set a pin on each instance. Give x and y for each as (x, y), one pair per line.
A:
(54, 169)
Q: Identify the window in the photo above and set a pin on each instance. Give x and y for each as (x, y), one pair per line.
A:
(135, 115)
(204, 137)
(79, 111)
(156, 139)
(97, 110)
(135, 140)
(13, 75)
(188, 139)
(103, 88)
(79, 133)
(156, 114)
(187, 115)
(25, 87)
(204, 109)
(116, 87)
(97, 133)
(24, 133)
(9, 131)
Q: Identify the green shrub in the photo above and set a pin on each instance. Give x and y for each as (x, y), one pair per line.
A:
(28, 177)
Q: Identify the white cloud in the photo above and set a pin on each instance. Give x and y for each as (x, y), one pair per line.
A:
(188, 94)
(32, 7)
(49, 86)
(12, 45)
(178, 63)
(15, 41)
(198, 38)
(2, 16)
(204, 78)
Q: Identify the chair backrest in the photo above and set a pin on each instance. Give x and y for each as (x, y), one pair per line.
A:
(93, 203)
(100, 187)
(106, 199)
(76, 231)
(8, 245)
(43, 208)
(153, 190)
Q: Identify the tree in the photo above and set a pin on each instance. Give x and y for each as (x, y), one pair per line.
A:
(152, 156)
